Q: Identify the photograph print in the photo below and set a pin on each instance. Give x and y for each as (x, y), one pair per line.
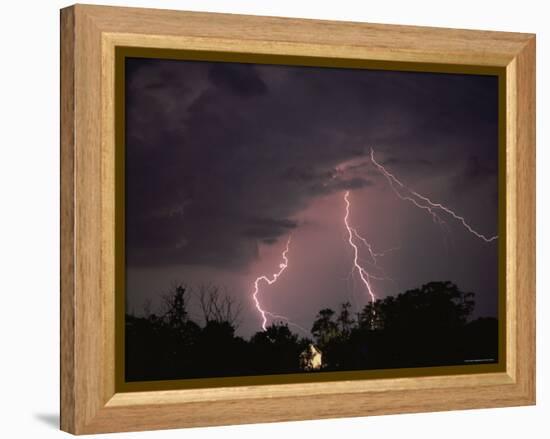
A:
(288, 219)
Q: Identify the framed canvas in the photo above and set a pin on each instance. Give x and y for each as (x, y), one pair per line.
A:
(267, 219)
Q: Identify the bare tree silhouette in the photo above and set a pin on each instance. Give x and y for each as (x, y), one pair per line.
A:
(218, 306)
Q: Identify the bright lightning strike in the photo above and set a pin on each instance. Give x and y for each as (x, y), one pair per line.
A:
(287, 320)
(425, 202)
(268, 281)
(363, 273)
(374, 255)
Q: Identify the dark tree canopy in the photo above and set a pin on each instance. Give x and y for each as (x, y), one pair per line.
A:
(427, 326)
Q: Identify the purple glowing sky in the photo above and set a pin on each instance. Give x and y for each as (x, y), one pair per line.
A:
(224, 161)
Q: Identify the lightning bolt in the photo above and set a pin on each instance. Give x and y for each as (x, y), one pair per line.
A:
(287, 320)
(425, 203)
(270, 281)
(353, 238)
(352, 233)
(374, 255)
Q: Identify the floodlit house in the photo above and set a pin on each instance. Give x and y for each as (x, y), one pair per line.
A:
(311, 358)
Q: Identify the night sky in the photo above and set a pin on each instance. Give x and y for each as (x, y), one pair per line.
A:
(225, 161)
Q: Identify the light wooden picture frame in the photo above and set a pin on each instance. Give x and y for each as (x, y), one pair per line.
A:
(92, 398)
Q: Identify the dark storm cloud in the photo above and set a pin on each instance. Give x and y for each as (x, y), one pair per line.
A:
(269, 229)
(307, 174)
(473, 172)
(340, 184)
(397, 162)
(221, 157)
(241, 79)
(323, 182)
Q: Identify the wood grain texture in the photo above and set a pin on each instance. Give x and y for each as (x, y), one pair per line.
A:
(90, 34)
(374, 41)
(67, 397)
(525, 219)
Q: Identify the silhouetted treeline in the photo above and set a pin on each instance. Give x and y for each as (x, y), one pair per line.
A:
(428, 326)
